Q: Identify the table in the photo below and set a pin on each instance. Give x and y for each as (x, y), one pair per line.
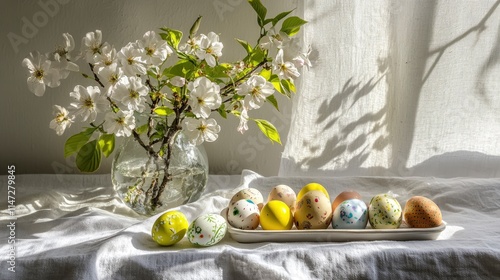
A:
(76, 227)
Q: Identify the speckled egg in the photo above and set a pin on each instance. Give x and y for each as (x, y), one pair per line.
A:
(169, 228)
(250, 193)
(207, 230)
(385, 212)
(285, 194)
(421, 212)
(243, 214)
(350, 214)
(343, 196)
(313, 211)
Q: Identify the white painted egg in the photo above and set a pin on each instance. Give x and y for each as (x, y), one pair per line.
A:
(207, 230)
(350, 214)
(243, 214)
(250, 193)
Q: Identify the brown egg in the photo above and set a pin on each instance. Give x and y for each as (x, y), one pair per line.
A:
(421, 212)
(343, 196)
(313, 211)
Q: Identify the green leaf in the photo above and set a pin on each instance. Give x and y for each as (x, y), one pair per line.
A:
(292, 25)
(88, 158)
(172, 36)
(194, 28)
(245, 45)
(266, 73)
(273, 101)
(141, 129)
(183, 68)
(259, 8)
(222, 110)
(267, 21)
(189, 115)
(257, 56)
(276, 83)
(279, 17)
(288, 86)
(269, 130)
(75, 142)
(219, 71)
(107, 144)
(164, 111)
(155, 136)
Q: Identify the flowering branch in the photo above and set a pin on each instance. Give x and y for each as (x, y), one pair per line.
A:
(176, 84)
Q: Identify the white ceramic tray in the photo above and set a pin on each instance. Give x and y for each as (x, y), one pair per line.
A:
(335, 235)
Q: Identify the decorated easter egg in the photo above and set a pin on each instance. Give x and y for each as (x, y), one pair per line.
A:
(312, 187)
(243, 214)
(251, 194)
(276, 215)
(313, 211)
(421, 212)
(283, 193)
(350, 214)
(343, 196)
(207, 230)
(169, 228)
(385, 212)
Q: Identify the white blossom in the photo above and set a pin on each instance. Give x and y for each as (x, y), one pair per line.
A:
(110, 76)
(200, 130)
(209, 48)
(120, 123)
(106, 58)
(62, 57)
(191, 45)
(130, 58)
(278, 39)
(62, 120)
(302, 59)
(91, 45)
(243, 126)
(41, 73)
(237, 68)
(131, 92)
(154, 51)
(204, 96)
(89, 102)
(177, 81)
(256, 89)
(285, 69)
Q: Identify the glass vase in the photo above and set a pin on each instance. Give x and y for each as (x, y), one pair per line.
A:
(138, 177)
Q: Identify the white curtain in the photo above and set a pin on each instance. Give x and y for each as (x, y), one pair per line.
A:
(398, 88)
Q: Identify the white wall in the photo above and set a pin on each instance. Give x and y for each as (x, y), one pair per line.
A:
(27, 141)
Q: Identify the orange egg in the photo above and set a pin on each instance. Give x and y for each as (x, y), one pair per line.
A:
(421, 212)
(343, 196)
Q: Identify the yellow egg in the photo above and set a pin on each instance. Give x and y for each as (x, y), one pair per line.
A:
(312, 187)
(169, 228)
(276, 215)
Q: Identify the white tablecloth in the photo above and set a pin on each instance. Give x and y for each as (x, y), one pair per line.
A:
(75, 227)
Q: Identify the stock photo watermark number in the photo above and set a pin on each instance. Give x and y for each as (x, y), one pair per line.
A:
(11, 202)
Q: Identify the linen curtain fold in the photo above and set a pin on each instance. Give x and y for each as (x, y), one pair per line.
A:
(398, 88)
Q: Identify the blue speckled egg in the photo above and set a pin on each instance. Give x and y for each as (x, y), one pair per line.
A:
(350, 214)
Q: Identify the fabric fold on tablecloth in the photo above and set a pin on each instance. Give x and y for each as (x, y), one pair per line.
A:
(75, 227)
